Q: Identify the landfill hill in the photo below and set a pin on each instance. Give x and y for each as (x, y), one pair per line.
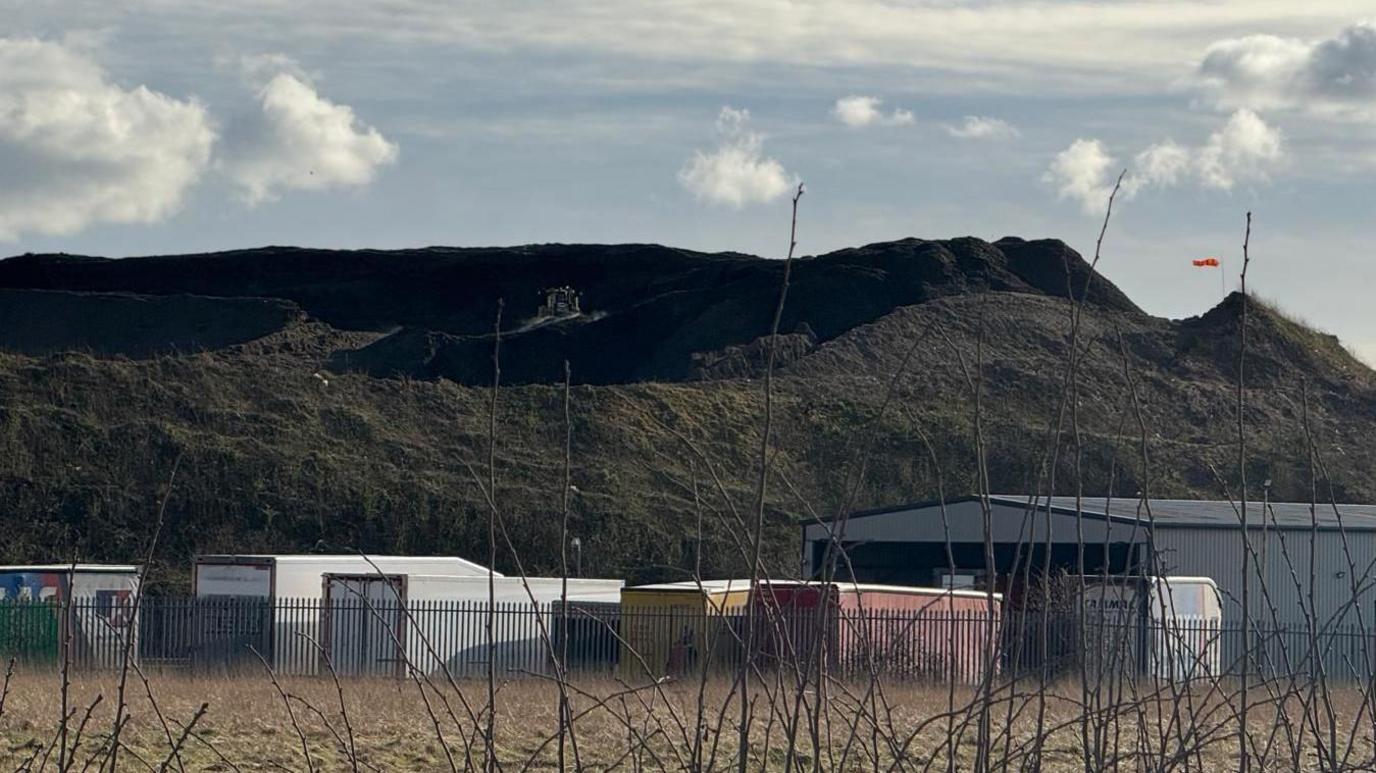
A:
(647, 310)
(341, 398)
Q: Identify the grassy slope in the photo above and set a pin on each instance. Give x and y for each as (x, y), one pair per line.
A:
(275, 460)
(272, 459)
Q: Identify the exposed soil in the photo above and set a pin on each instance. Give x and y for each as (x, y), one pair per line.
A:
(42, 322)
(648, 309)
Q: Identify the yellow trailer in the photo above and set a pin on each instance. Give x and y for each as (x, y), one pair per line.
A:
(676, 628)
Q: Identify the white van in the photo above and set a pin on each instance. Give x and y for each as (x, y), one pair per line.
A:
(1170, 626)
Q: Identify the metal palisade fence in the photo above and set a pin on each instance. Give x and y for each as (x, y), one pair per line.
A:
(356, 637)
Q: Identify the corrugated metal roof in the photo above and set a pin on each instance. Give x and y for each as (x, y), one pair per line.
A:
(339, 558)
(80, 568)
(692, 586)
(1213, 514)
(871, 587)
(1191, 513)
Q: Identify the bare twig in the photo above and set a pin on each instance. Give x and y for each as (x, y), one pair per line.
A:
(175, 753)
(128, 641)
(757, 532)
(1244, 758)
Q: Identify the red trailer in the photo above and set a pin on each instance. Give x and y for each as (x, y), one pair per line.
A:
(900, 631)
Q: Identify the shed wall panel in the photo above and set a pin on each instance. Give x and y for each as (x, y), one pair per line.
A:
(1281, 562)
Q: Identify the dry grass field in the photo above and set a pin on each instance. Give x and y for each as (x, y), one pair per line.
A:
(247, 727)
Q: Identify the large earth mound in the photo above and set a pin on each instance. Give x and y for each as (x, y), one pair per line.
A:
(341, 398)
(649, 313)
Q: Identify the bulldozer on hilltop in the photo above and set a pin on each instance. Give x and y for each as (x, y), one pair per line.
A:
(559, 302)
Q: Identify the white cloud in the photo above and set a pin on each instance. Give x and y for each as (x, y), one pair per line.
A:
(1162, 165)
(77, 149)
(858, 111)
(737, 172)
(1345, 67)
(1257, 71)
(1081, 172)
(301, 141)
(1336, 75)
(979, 127)
(1245, 148)
(1078, 46)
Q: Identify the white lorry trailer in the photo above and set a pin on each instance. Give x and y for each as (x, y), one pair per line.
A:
(300, 576)
(1169, 627)
(380, 625)
(273, 604)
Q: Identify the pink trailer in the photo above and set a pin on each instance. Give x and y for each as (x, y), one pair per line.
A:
(901, 631)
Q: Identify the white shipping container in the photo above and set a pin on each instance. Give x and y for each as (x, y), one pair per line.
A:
(285, 628)
(102, 616)
(440, 622)
(1175, 622)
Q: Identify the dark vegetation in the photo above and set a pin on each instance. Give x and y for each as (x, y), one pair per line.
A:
(331, 399)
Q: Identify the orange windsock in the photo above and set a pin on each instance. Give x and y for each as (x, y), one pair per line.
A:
(1210, 262)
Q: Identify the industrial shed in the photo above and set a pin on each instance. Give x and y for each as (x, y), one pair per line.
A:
(907, 545)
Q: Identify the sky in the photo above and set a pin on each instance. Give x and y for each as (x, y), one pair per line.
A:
(170, 126)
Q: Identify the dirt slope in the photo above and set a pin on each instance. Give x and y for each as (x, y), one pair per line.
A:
(47, 322)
